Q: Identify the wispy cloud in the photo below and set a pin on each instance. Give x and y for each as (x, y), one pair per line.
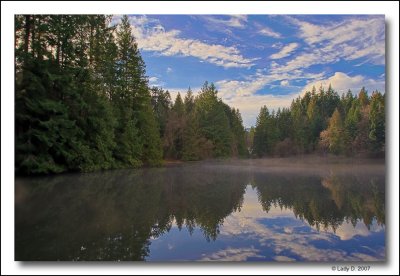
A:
(285, 51)
(233, 254)
(153, 37)
(350, 39)
(269, 32)
(235, 21)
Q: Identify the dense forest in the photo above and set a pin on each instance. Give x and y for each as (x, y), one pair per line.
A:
(83, 103)
(323, 122)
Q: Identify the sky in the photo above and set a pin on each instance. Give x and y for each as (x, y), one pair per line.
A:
(257, 60)
(252, 234)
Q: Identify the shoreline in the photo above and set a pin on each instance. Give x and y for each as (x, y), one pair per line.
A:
(292, 163)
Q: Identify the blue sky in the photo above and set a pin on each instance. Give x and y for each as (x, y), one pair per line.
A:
(257, 60)
(252, 234)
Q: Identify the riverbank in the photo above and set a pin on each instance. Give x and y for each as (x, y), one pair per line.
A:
(296, 164)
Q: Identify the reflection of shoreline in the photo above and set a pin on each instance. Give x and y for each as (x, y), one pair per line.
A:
(327, 202)
(116, 215)
(280, 232)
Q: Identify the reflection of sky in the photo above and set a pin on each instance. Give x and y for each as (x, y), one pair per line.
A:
(251, 234)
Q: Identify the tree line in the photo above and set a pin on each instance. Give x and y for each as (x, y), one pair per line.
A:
(198, 127)
(322, 122)
(83, 102)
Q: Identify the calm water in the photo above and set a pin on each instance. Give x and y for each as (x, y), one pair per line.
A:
(202, 211)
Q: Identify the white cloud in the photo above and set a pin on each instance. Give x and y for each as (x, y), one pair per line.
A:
(242, 94)
(285, 51)
(285, 83)
(236, 21)
(169, 70)
(269, 32)
(342, 82)
(246, 224)
(168, 43)
(347, 231)
(153, 79)
(277, 45)
(233, 254)
(232, 88)
(249, 107)
(350, 39)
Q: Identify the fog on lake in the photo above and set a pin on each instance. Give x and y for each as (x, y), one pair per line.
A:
(246, 210)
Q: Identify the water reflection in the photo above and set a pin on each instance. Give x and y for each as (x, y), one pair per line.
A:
(201, 212)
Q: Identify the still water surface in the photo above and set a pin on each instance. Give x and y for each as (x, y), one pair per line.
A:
(204, 212)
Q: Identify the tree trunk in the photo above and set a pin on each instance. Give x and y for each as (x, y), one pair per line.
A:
(27, 32)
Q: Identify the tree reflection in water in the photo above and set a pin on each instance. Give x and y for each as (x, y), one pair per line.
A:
(115, 215)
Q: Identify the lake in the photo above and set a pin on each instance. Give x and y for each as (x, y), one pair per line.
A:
(249, 210)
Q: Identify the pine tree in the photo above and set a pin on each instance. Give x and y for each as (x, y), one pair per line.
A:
(191, 134)
(173, 142)
(134, 100)
(189, 101)
(212, 120)
(161, 102)
(260, 134)
(377, 123)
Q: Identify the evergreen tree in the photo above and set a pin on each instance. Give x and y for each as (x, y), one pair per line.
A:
(173, 142)
(191, 134)
(134, 100)
(377, 123)
(189, 101)
(83, 102)
(213, 121)
(260, 134)
(363, 97)
(161, 102)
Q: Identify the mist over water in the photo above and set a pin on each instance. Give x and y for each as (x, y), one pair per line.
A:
(233, 210)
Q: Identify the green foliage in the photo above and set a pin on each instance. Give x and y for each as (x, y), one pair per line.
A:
(213, 121)
(238, 131)
(377, 123)
(83, 103)
(201, 127)
(82, 99)
(266, 133)
(161, 102)
(351, 125)
(47, 140)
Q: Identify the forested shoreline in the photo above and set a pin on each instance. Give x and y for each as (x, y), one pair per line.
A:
(83, 103)
(323, 122)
